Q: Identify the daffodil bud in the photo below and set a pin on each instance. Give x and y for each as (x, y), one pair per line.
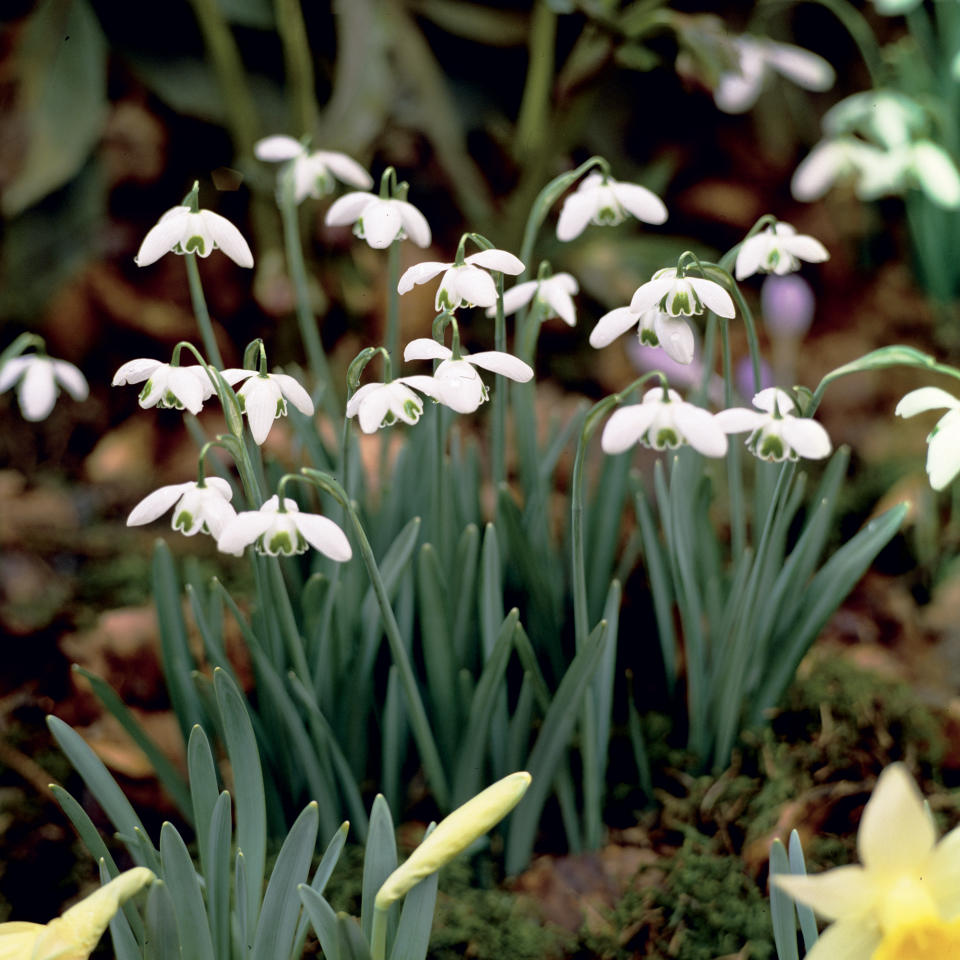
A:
(453, 835)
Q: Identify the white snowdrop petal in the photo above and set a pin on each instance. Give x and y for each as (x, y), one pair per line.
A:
(499, 260)
(562, 305)
(402, 398)
(373, 409)
(475, 286)
(414, 223)
(926, 398)
(751, 255)
(627, 425)
(233, 375)
(12, 370)
(805, 68)
(71, 378)
(807, 437)
(423, 348)
(740, 420)
(217, 514)
(135, 371)
(943, 452)
(424, 384)
(644, 204)
(700, 430)
(736, 92)
(765, 400)
(714, 297)
(348, 208)
(277, 148)
(420, 273)
(324, 535)
(260, 398)
(651, 293)
(575, 214)
(611, 325)
(293, 391)
(345, 168)
(228, 238)
(936, 174)
(37, 392)
(163, 236)
(817, 171)
(357, 397)
(806, 248)
(243, 530)
(157, 503)
(222, 488)
(381, 223)
(565, 281)
(675, 336)
(505, 364)
(515, 298)
(186, 387)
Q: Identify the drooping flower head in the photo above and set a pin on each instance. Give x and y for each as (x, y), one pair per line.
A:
(554, 294)
(604, 201)
(775, 433)
(188, 229)
(378, 405)
(196, 507)
(466, 282)
(39, 379)
(682, 294)
(263, 398)
(664, 420)
(654, 329)
(777, 249)
(903, 903)
(312, 171)
(943, 450)
(284, 531)
(167, 386)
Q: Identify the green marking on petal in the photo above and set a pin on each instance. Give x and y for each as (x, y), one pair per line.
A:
(358, 229)
(679, 303)
(279, 542)
(281, 408)
(771, 448)
(196, 244)
(773, 258)
(444, 297)
(667, 437)
(649, 338)
(412, 410)
(182, 520)
(146, 391)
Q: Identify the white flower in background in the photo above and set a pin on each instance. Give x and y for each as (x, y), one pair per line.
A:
(891, 8)
(195, 507)
(467, 283)
(379, 221)
(181, 231)
(833, 160)
(664, 420)
(313, 171)
(264, 397)
(379, 405)
(682, 296)
(284, 533)
(456, 383)
(607, 202)
(654, 329)
(903, 903)
(757, 57)
(886, 116)
(777, 249)
(555, 294)
(943, 452)
(167, 386)
(775, 433)
(40, 378)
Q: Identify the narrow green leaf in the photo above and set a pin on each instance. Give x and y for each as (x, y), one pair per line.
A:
(162, 941)
(808, 922)
(350, 939)
(319, 882)
(211, 636)
(639, 744)
(437, 649)
(393, 738)
(416, 918)
(181, 880)
(203, 788)
(125, 946)
(464, 590)
(781, 907)
(217, 875)
(604, 521)
(491, 590)
(658, 573)
(379, 861)
(241, 899)
(323, 919)
(521, 723)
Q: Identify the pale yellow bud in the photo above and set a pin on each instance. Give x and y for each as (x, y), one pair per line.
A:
(73, 935)
(453, 835)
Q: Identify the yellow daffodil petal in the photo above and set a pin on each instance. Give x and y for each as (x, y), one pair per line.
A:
(842, 892)
(17, 939)
(895, 832)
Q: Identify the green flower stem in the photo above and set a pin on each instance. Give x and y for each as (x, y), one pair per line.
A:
(533, 119)
(298, 61)
(200, 311)
(499, 427)
(738, 523)
(23, 342)
(378, 934)
(392, 339)
(720, 274)
(418, 714)
(309, 334)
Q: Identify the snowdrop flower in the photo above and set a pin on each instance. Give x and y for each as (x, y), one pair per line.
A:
(74, 934)
(833, 160)
(184, 230)
(167, 386)
(467, 282)
(775, 433)
(891, 8)
(196, 506)
(943, 452)
(554, 293)
(664, 420)
(737, 90)
(654, 329)
(886, 116)
(455, 383)
(40, 378)
(379, 405)
(264, 398)
(777, 249)
(682, 295)
(313, 172)
(378, 220)
(604, 201)
(284, 531)
(904, 901)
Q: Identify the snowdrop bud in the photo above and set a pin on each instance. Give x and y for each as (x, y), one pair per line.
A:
(453, 835)
(787, 304)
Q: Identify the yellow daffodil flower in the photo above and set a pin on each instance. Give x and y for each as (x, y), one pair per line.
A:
(904, 902)
(73, 935)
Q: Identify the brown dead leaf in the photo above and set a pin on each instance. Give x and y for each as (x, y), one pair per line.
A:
(111, 743)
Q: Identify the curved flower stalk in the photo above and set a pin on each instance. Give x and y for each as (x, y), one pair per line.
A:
(943, 450)
(604, 201)
(680, 294)
(74, 934)
(904, 901)
(198, 505)
(379, 220)
(654, 329)
(187, 229)
(554, 294)
(282, 530)
(465, 281)
(664, 420)
(312, 171)
(775, 433)
(167, 386)
(777, 249)
(759, 57)
(39, 379)
(263, 398)
(455, 383)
